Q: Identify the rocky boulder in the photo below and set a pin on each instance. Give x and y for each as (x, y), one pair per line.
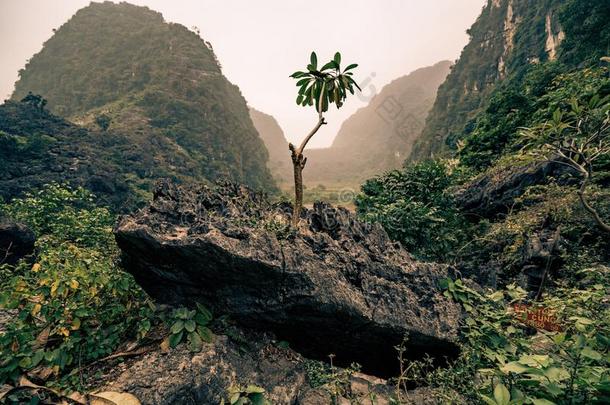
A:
(16, 241)
(246, 359)
(494, 193)
(334, 285)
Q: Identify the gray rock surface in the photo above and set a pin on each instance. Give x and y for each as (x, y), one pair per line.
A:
(16, 241)
(335, 285)
(180, 377)
(494, 194)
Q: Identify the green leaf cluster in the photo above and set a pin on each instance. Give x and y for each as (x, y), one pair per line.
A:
(190, 326)
(511, 364)
(415, 207)
(326, 85)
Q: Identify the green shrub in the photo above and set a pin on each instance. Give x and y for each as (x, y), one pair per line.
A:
(414, 206)
(73, 304)
(505, 362)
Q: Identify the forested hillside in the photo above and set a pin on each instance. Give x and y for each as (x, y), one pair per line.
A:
(122, 68)
(508, 38)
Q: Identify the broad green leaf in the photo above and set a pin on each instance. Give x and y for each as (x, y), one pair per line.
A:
(302, 81)
(258, 399)
(190, 325)
(337, 58)
(204, 311)
(205, 334)
(488, 400)
(314, 60)
(541, 401)
(350, 67)
(514, 367)
(329, 65)
(556, 374)
(194, 342)
(501, 395)
(175, 339)
(591, 354)
(177, 327)
(251, 389)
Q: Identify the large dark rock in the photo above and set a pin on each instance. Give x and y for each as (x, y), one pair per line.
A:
(179, 377)
(335, 285)
(16, 241)
(494, 193)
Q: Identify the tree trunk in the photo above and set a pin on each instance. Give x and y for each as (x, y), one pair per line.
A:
(581, 195)
(298, 164)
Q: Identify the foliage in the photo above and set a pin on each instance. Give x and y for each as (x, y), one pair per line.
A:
(335, 380)
(510, 363)
(587, 29)
(103, 121)
(173, 112)
(190, 326)
(486, 66)
(37, 148)
(510, 107)
(414, 207)
(249, 395)
(73, 304)
(503, 243)
(35, 101)
(326, 85)
(63, 214)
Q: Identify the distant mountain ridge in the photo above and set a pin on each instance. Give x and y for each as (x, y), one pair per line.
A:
(374, 139)
(158, 85)
(380, 135)
(272, 135)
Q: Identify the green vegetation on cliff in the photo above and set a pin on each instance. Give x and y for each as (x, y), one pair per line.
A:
(122, 68)
(506, 40)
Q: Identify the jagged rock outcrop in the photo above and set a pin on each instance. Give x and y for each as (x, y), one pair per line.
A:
(182, 377)
(335, 285)
(494, 192)
(16, 241)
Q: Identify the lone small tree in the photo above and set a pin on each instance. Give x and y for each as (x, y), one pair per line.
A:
(319, 88)
(578, 138)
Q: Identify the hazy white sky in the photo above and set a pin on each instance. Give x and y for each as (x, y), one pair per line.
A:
(260, 43)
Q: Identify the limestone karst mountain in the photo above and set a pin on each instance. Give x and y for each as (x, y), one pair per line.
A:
(272, 135)
(122, 69)
(507, 38)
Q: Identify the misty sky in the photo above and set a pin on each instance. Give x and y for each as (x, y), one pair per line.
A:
(260, 43)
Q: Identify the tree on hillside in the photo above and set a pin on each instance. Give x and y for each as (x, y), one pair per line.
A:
(578, 138)
(319, 88)
(35, 101)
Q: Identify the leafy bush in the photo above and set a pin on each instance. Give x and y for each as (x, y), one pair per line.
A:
(504, 361)
(190, 326)
(73, 304)
(58, 213)
(414, 207)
